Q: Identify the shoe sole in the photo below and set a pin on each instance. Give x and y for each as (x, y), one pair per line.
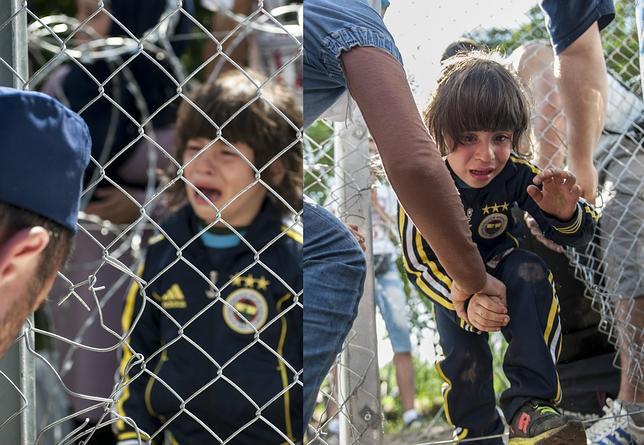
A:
(572, 433)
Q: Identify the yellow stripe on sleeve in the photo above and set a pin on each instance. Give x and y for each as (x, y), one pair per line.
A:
(427, 290)
(293, 234)
(592, 212)
(574, 227)
(432, 265)
(532, 167)
(420, 281)
(126, 323)
(282, 368)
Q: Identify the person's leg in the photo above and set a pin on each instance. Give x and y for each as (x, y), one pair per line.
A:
(534, 343)
(405, 379)
(622, 237)
(534, 62)
(334, 272)
(533, 333)
(392, 303)
(622, 241)
(629, 316)
(468, 391)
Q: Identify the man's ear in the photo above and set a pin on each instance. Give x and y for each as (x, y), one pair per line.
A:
(19, 254)
(276, 173)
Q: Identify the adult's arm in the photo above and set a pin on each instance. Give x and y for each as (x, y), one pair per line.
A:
(583, 85)
(414, 167)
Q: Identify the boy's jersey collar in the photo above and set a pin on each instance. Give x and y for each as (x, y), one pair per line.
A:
(184, 225)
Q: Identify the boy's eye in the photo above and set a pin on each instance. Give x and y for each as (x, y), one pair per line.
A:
(468, 139)
(503, 138)
(190, 153)
(229, 152)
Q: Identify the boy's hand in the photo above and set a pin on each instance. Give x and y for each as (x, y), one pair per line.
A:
(459, 297)
(487, 313)
(559, 192)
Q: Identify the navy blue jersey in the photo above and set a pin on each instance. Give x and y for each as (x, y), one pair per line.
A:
(228, 351)
(488, 210)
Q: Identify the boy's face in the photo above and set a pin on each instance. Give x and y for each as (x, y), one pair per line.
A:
(221, 173)
(480, 155)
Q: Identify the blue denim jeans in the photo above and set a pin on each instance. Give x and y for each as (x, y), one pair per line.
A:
(392, 302)
(331, 27)
(334, 273)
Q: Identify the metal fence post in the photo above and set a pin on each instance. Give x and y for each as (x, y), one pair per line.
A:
(359, 379)
(13, 72)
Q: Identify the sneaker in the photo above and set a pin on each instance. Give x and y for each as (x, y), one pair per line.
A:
(636, 421)
(411, 420)
(612, 428)
(539, 423)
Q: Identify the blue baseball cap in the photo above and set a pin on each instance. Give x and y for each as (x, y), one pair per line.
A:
(44, 150)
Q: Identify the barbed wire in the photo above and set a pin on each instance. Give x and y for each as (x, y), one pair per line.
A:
(94, 287)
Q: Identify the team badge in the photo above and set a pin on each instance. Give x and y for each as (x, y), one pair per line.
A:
(251, 314)
(493, 225)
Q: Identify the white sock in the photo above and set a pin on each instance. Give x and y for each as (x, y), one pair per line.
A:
(409, 416)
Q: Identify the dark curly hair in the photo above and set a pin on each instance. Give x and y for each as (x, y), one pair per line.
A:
(264, 116)
(475, 92)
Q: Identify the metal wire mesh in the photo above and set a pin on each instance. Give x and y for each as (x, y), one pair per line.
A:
(610, 268)
(105, 64)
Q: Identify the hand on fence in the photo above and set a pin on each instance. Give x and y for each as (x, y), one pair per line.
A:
(559, 192)
(487, 313)
(359, 236)
(535, 230)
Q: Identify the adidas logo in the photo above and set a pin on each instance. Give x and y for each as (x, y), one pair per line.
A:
(173, 298)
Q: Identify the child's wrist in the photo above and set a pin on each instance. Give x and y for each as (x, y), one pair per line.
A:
(568, 216)
(563, 217)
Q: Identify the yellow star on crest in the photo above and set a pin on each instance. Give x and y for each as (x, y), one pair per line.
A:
(495, 208)
(236, 281)
(486, 210)
(262, 283)
(505, 206)
(250, 280)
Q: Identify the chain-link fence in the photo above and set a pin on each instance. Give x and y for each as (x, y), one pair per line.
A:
(598, 287)
(207, 344)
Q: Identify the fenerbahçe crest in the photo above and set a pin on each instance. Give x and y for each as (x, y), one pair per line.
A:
(493, 225)
(252, 307)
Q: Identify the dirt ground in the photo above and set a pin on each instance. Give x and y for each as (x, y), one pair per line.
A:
(419, 436)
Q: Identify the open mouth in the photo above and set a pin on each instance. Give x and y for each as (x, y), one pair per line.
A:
(211, 195)
(482, 173)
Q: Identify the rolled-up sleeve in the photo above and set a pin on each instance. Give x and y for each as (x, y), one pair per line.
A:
(332, 27)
